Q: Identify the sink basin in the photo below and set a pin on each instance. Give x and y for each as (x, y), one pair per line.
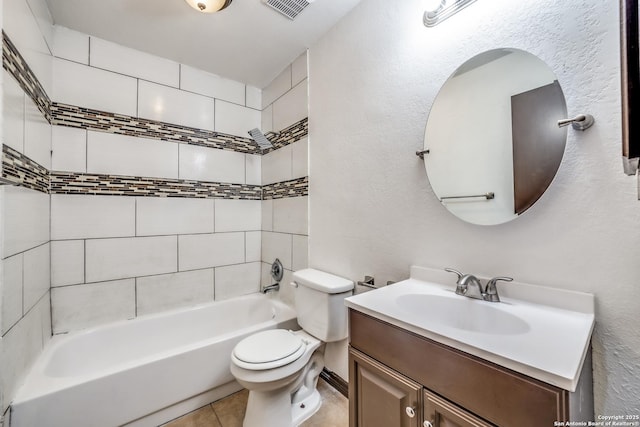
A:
(523, 332)
(462, 313)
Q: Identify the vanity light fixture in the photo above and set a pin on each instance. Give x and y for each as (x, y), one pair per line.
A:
(439, 10)
(208, 6)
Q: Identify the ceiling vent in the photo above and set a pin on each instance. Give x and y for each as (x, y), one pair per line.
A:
(289, 8)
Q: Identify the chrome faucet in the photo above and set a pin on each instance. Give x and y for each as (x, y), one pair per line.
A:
(274, 287)
(488, 293)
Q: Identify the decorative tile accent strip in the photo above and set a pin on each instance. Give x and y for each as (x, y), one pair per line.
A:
(15, 64)
(72, 116)
(288, 135)
(79, 117)
(293, 188)
(20, 170)
(116, 185)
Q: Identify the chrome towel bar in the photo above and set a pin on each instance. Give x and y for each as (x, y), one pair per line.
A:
(488, 196)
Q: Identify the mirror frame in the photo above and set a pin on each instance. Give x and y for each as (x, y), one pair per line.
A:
(630, 74)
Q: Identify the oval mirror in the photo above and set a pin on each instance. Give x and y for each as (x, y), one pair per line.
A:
(492, 137)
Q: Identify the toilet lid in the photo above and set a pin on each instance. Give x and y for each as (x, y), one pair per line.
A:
(269, 349)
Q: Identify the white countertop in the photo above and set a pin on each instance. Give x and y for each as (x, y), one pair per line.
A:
(551, 346)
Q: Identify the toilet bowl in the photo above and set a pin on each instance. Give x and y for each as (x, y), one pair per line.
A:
(280, 368)
(282, 390)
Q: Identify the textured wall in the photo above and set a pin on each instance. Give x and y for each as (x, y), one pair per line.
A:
(373, 78)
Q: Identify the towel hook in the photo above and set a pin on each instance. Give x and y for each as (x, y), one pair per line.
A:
(579, 122)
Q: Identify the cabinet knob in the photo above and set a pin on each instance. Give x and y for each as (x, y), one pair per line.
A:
(427, 424)
(411, 412)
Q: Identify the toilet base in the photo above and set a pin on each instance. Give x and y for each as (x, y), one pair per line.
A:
(300, 412)
(276, 410)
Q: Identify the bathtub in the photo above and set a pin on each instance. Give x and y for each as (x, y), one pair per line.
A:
(145, 371)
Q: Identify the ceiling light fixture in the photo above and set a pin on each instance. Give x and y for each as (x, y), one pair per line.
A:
(208, 6)
(439, 10)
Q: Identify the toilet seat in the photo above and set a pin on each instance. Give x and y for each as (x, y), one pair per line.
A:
(268, 350)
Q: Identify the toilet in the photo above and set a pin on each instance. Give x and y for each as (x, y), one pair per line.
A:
(280, 368)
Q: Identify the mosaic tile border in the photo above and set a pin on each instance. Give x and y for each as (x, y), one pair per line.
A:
(293, 188)
(117, 185)
(15, 64)
(18, 169)
(85, 118)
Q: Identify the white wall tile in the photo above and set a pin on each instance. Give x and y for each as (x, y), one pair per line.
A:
(135, 63)
(41, 12)
(253, 246)
(84, 216)
(236, 280)
(23, 29)
(210, 250)
(198, 81)
(253, 169)
(173, 215)
(253, 98)
(235, 119)
(71, 45)
(109, 153)
(84, 306)
(11, 309)
(21, 346)
(299, 69)
(278, 87)
(89, 87)
(267, 120)
(170, 291)
(13, 113)
(290, 215)
(36, 275)
(109, 259)
(67, 262)
(291, 107)
(69, 146)
(238, 215)
(267, 215)
(37, 135)
(265, 275)
(300, 158)
(207, 164)
(276, 166)
(276, 245)
(26, 219)
(300, 253)
(166, 104)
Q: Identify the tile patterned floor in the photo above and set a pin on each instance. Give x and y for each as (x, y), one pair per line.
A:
(229, 411)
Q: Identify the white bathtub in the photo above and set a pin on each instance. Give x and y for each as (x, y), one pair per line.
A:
(149, 369)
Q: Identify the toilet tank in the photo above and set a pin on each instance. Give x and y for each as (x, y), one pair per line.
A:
(319, 302)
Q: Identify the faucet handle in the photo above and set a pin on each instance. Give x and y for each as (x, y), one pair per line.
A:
(492, 291)
(451, 270)
(461, 289)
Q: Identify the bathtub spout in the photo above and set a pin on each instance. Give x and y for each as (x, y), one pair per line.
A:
(274, 287)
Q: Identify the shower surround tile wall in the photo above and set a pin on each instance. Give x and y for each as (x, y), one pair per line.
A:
(147, 213)
(25, 313)
(285, 174)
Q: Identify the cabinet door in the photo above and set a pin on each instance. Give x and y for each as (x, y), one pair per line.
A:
(379, 396)
(441, 413)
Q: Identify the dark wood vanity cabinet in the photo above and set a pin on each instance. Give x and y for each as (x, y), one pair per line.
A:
(394, 373)
(384, 397)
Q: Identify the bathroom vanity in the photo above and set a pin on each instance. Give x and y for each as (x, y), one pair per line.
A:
(408, 368)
